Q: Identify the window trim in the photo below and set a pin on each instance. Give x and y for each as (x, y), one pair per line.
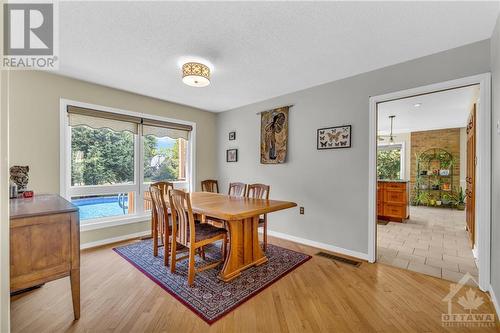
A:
(402, 157)
(138, 186)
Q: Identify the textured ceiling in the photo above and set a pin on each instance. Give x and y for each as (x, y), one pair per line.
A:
(258, 50)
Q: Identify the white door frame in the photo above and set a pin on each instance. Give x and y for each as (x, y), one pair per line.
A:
(483, 170)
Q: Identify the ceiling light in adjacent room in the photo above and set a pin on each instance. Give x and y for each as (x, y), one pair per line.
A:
(195, 74)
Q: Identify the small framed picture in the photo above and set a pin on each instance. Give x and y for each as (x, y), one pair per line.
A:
(232, 136)
(334, 137)
(232, 155)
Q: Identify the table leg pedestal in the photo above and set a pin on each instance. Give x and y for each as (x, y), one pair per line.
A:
(244, 250)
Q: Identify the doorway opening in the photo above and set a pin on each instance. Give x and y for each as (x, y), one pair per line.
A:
(425, 180)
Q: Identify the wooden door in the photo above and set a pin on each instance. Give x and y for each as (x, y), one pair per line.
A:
(470, 190)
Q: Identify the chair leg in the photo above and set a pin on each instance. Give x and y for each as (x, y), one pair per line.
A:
(173, 252)
(165, 249)
(202, 252)
(191, 266)
(154, 231)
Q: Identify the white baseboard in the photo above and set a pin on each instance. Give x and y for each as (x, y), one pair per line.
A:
(114, 239)
(295, 239)
(495, 301)
(319, 245)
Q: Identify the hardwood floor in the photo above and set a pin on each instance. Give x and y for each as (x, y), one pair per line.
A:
(319, 296)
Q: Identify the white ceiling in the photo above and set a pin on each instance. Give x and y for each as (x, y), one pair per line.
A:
(258, 49)
(446, 109)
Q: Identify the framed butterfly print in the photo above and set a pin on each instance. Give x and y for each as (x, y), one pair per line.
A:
(334, 137)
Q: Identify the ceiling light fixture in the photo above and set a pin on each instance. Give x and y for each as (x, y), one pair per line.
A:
(195, 74)
(417, 105)
(390, 136)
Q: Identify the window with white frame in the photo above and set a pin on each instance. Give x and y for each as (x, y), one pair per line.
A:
(391, 162)
(112, 157)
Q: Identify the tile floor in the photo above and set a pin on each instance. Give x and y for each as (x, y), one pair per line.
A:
(433, 242)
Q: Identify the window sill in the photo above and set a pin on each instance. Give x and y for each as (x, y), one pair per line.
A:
(113, 222)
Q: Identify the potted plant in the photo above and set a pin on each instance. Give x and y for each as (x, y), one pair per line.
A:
(461, 199)
(449, 199)
(421, 198)
(435, 184)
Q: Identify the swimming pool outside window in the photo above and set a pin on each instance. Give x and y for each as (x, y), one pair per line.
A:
(113, 157)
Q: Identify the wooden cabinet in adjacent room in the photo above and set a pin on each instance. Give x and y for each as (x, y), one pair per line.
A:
(393, 200)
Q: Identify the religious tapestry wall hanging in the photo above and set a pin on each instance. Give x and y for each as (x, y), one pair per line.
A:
(274, 135)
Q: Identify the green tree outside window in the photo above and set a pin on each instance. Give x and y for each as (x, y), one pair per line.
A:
(389, 164)
(104, 157)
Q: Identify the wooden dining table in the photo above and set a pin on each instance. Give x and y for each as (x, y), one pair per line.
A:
(242, 219)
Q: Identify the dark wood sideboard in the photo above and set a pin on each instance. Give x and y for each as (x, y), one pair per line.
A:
(393, 202)
(44, 243)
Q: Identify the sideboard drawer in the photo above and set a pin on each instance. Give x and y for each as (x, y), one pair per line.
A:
(395, 197)
(395, 186)
(394, 210)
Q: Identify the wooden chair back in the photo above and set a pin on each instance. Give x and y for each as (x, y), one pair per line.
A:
(210, 185)
(159, 208)
(164, 186)
(237, 189)
(182, 217)
(258, 191)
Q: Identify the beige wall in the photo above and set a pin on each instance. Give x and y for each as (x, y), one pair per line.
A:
(34, 129)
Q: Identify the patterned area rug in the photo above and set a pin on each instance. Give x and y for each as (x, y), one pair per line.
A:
(209, 297)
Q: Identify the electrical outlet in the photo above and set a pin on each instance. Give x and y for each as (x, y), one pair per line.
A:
(301, 210)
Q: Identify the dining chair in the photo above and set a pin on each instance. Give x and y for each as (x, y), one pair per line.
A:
(190, 234)
(260, 191)
(164, 188)
(161, 226)
(237, 189)
(210, 185)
